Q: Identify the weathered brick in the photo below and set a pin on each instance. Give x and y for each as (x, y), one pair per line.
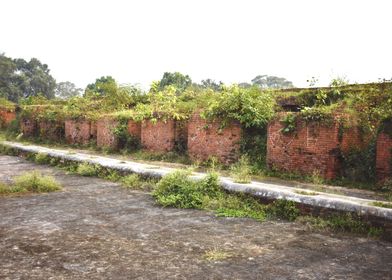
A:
(384, 155)
(159, 136)
(51, 130)
(78, 132)
(29, 127)
(208, 138)
(6, 117)
(312, 147)
(105, 133)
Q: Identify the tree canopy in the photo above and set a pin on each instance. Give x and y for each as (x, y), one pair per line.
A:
(265, 81)
(21, 79)
(176, 79)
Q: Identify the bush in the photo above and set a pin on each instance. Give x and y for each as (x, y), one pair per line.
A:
(178, 190)
(86, 169)
(36, 182)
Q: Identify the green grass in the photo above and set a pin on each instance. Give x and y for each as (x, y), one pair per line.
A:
(86, 169)
(341, 223)
(241, 171)
(36, 182)
(42, 158)
(305, 192)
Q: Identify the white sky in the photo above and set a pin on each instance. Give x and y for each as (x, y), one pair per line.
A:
(232, 41)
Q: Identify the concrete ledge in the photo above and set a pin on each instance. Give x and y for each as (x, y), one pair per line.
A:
(356, 205)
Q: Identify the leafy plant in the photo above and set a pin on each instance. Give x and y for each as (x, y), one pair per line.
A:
(290, 123)
(86, 169)
(240, 171)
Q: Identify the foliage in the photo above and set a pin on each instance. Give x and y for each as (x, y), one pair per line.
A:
(6, 104)
(284, 209)
(240, 171)
(42, 158)
(21, 79)
(36, 182)
(254, 145)
(125, 139)
(176, 79)
(66, 90)
(289, 123)
(86, 169)
(265, 81)
(250, 107)
(382, 204)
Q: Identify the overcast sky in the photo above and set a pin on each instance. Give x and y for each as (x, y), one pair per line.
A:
(232, 41)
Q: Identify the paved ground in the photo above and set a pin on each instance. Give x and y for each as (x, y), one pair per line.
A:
(94, 229)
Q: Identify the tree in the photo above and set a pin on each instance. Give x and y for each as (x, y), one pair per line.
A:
(66, 90)
(209, 83)
(100, 85)
(180, 81)
(265, 81)
(22, 79)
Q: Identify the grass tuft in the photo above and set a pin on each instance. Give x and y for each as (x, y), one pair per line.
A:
(36, 182)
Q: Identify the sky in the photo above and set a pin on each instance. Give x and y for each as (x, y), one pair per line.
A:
(225, 40)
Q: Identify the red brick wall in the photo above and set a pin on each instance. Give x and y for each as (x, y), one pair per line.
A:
(93, 129)
(159, 136)
(384, 157)
(6, 117)
(206, 139)
(29, 127)
(135, 129)
(312, 147)
(78, 131)
(105, 135)
(51, 130)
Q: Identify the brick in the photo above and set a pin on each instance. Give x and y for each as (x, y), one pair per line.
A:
(78, 132)
(159, 136)
(384, 157)
(29, 127)
(208, 138)
(105, 135)
(312, 147)
(51, 130)
(6, 117)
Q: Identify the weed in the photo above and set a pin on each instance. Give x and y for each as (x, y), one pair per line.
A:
(316, 178)
(36, 182)
(42, 158)
(86, 169)
(283, 209)
(382, 204)
(340, 223)
(216, 255)
(241, 171)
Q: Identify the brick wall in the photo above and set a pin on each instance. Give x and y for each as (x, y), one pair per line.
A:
(206, 139)
(51, 130)
(135, 129)
(312, 147)
(78, 132)
(384, 156)
(105, 135)
(29, 127)
(162, 136)
(6, 117)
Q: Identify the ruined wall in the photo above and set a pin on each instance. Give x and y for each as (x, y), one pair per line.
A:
(105, 135)
(312, 147)
(6, 117)
(207, 138)
(384, 155)
(29, 127)
(135, 129)
(51, 130)
(162, 136)
(78, 132)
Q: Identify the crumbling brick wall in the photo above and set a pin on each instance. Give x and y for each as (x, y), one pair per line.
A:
(208, 138)
(135, 129)
(162, 136)
(384, 154)
(105, 133)
(6, 117)
(29, 127)
(51, 130)
(78, 132)
(312, 147)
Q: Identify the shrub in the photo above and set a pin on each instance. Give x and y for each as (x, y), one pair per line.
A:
(86, 169)
(132, 181)
(36, 182)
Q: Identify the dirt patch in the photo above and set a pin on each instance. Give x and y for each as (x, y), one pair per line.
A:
(94, 229)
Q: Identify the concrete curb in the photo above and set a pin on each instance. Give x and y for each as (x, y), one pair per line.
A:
(356, 205)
